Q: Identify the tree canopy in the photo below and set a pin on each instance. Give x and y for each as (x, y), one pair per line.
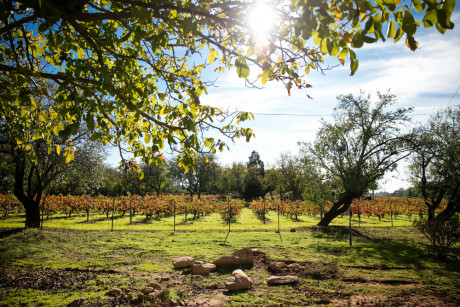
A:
(435, 167)
(132, 71)
(360, 146)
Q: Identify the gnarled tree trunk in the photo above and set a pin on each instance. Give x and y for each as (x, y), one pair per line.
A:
(338, 208)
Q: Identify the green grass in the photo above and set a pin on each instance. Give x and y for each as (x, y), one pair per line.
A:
(245, 221)
(384, 261)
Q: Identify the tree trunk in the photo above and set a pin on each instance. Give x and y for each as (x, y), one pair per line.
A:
(451, 208)
(32, 214)
(31, 206)
(338, 208)
(431, 214)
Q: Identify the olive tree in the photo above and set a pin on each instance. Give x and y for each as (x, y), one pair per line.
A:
(435, 167)
(360, 146)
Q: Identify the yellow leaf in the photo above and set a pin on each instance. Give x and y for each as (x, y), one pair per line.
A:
(70, 156)
(211, 57)
(288, 87)
(81, 54)
(58, 149)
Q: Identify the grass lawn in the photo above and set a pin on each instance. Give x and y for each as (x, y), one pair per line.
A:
(245, 221)
(70, 259)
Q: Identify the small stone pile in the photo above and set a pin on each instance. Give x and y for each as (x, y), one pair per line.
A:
(239, 280)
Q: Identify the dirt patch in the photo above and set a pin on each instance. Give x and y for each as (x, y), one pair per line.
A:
(212, 299)
(305, 269)
(46, 279)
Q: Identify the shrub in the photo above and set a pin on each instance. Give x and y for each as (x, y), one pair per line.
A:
(442, 234)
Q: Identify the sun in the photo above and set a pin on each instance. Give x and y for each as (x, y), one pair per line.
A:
(261, 21)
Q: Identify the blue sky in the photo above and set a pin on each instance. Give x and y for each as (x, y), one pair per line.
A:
(426, 79)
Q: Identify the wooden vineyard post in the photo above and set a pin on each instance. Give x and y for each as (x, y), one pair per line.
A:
(43, 215)
(43, 211)
(349, 222)
(391, 215)
(359, 217)
(279, 232)
(229, 217)
(279, 216)
(229, 213)
(174, 214)
(87, 210)
(130, 211)
(113, 210)
(264, 212)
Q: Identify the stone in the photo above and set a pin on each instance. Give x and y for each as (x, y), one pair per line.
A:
(115, 292)
(154, 285)
(238, 281)
(242, 256)
(276, 267)
(147, 290)
(282, 280)
(294, 266)
(203, 269)
(211, 266)
(77, 302)
(245, 254)
(183, 262)
(200, 270)
(155, 294)
(227, 260)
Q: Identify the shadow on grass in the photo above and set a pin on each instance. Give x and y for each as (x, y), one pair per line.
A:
(102, 219)
(8, 232)
(340, 233)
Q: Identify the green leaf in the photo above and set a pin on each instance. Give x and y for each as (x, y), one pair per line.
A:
(358, 40)
(324, 46)
(90, 122)
(354, 66)
(444, 19)
(343, 53)
(417, 5)
(408, 25)
(398, 35)
(242, 67)
(391, 29)
(430, 18)
(440, 29)
(335, 49)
